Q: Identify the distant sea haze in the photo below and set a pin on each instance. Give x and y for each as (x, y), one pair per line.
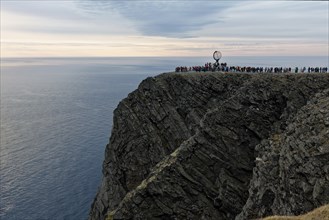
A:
(161, 64)
(56, 118)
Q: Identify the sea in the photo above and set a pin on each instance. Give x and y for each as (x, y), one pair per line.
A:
(56, 119)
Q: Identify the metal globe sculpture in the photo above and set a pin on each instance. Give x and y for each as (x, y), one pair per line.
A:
(217, 55)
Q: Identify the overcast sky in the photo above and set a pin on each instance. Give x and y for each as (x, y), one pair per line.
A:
(163, 28)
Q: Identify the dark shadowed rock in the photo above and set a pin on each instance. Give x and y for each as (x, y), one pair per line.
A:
(291, 175)
(183, 147)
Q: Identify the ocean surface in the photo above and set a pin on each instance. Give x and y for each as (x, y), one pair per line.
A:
(56, 119)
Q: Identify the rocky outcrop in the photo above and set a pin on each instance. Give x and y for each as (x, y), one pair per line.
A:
(291, 175)
(183, 147)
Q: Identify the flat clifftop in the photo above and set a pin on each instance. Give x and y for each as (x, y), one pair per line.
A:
(218, 146)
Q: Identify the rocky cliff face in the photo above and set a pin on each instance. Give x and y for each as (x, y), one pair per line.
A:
(217, 146)
(292, 171)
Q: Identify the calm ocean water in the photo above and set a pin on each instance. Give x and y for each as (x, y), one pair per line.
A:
(56, 117)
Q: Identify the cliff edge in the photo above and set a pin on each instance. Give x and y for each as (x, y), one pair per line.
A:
(218, 146)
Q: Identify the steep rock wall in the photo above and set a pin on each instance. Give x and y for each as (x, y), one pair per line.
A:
(182, 146)
(150, 124)
(291, 175)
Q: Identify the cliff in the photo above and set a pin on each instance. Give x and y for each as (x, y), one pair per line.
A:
(218, 146)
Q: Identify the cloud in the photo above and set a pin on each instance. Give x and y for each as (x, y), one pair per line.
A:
(180, 27)
(60, 17)
(177, 19)
(174, 19)
(275, 19)
(186, 19)
(59, 10)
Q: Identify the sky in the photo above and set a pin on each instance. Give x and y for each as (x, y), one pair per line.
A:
(111, 28)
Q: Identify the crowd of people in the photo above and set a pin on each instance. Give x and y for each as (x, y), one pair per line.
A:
(223, 67)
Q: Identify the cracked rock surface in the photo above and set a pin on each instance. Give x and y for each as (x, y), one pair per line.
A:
(217, 146)
(292, 174)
